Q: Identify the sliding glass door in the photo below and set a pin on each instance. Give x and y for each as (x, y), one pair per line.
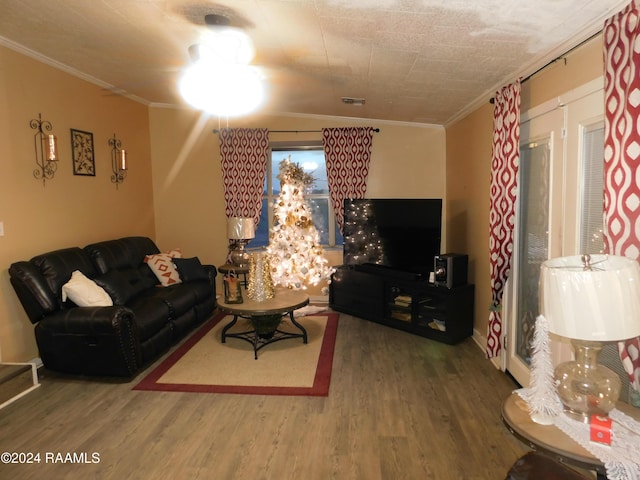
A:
(540, 157)
(559, 210)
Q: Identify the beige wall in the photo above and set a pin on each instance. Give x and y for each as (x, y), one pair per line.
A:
(406, 161)
(70, 210)
(469, 159)
(468, 179)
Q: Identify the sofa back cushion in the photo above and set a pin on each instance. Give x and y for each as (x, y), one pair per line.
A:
(57, 266)
(121, 254)
(38, 282)
(123, 285)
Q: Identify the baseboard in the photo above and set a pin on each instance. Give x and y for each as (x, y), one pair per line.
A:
(23, 384)
(37, 362)
(481, 341)
(319, 300)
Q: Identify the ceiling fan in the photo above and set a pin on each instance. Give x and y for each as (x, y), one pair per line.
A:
(220, 79)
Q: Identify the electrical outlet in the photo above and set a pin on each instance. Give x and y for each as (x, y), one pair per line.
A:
(1, 229)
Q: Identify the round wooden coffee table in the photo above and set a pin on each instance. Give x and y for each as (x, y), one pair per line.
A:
(260, 314)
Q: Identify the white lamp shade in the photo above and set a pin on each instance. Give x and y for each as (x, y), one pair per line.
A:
(600, 304)
(239, 228)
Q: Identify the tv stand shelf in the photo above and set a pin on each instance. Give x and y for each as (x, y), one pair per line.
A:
(404, 301)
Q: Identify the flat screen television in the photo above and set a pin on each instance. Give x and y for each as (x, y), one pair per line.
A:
(400, 234)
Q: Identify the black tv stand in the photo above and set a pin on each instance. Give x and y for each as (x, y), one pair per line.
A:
(403, 300)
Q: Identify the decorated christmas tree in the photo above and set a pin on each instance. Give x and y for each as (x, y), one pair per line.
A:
(295, 253)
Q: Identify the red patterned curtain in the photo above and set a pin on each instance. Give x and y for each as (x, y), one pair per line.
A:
(504, 170)
(622, 152)
(347, 154)
(244, 153)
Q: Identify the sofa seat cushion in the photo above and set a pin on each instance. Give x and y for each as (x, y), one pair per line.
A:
(202, 290)
(179, 298)
(152, 314)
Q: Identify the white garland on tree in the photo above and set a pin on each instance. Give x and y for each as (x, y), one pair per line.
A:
(295, 253)
(541, 395)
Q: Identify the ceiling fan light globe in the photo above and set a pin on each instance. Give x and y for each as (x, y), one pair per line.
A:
(222, 89)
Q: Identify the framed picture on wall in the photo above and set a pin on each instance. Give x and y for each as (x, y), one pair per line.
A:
(82, 153)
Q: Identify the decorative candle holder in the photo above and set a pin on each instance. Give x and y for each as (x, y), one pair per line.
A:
(260, 284)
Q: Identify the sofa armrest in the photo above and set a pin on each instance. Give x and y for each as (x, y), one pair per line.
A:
(90, 341)
(33, 291)
(212, 272)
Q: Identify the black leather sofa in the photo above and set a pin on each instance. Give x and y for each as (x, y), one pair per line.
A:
(143, 322)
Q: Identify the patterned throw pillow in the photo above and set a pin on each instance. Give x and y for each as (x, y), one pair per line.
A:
(161, 264)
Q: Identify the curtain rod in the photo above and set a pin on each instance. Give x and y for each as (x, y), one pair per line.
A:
(215, 130)
(563, 57)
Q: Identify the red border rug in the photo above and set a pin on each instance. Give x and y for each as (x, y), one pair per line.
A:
(321, 381)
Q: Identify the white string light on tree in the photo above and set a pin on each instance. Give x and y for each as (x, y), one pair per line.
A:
(295, 253)
(362, 244)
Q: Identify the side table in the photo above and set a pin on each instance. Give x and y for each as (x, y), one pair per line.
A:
(549, 439)
(228, 268)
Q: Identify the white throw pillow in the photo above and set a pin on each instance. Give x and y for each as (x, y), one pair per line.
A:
(85, 292)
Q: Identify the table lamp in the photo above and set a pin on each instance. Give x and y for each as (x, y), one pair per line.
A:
(239, 231)
(592, 300)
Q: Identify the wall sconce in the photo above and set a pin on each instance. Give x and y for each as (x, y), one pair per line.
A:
(46, 147)
(118, 161)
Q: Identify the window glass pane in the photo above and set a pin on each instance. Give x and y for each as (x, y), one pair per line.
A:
(320, 217)
(312, 161)
(262, 232)
(591, 220)
(339, 238)
(533, 227)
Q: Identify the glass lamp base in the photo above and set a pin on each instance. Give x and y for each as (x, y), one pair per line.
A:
(239, 256)
(586, 388)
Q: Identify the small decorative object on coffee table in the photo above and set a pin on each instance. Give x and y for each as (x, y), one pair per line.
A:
(229, 267)
(265, 317)
(260, 286)
(232, 290)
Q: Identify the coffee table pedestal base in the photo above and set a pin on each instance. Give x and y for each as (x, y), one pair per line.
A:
(262, 340)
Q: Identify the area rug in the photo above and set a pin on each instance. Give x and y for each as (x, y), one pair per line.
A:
(204, 364)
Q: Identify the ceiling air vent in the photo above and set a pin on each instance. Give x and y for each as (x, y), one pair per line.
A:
(353, 101)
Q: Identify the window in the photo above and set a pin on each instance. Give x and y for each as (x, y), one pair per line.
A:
(310, 156)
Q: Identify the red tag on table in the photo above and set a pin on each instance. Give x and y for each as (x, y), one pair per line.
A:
(600, 429)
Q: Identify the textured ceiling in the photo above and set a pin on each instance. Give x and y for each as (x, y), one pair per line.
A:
(420, 61)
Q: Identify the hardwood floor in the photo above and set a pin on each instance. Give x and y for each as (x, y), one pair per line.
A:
(400, 407)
